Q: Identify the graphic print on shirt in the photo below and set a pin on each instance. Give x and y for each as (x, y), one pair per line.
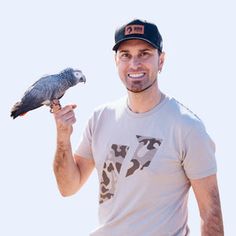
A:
(111, 170)
(144, 153)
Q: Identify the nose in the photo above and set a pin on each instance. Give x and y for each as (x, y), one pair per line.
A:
(135, 62)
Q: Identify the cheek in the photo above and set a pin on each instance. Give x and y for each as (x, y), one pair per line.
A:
(155, 70)
(151, 68)
(154, 67)
(121, 70)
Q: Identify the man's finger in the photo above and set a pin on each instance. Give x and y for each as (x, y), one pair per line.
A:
(65, 110)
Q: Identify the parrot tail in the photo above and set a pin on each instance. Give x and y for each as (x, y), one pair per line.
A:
(17, 111)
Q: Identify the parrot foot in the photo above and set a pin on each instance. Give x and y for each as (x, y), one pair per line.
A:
(55, 105)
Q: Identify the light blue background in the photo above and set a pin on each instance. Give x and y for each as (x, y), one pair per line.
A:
(44, 37)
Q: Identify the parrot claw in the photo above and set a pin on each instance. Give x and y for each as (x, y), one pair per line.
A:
(55, 106)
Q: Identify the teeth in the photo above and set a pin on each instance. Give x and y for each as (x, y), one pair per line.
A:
(136, 75)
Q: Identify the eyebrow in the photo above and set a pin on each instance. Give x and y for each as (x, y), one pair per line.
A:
(120, 51)
(146, 49)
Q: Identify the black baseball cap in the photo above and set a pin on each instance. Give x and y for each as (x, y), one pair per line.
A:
(138, 29)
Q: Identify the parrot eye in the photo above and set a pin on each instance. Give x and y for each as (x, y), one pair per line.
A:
(77, 74)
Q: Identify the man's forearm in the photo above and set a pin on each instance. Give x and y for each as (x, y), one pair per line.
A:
(212, 222)
(213, 226)
(65, 169)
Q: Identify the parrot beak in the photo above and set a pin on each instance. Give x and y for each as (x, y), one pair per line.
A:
(82, 79)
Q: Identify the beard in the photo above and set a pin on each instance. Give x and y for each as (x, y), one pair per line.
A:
(138, 86)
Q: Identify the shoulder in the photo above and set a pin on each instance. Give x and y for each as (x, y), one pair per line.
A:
(110, 108)
(108, 111)
(182, 117)
(106, 114)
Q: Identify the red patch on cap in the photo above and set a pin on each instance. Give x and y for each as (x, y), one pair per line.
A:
(134, 29)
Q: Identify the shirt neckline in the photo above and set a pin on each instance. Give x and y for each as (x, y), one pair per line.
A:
(148, 113)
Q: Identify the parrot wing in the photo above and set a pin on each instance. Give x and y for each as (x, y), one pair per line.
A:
(40, 93)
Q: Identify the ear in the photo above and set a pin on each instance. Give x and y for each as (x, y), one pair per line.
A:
(161, 61)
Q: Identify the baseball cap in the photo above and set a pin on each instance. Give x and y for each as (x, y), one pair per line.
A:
(139, 29)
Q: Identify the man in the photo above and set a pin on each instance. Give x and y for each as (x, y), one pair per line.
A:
(148, 150)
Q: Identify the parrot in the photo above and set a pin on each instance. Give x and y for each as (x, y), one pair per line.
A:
(47, 91)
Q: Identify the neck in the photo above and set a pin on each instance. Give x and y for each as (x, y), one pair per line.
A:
(144, 101)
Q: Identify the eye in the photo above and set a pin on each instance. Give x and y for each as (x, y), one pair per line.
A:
(144, 54)
(125, 56)
(76, 74)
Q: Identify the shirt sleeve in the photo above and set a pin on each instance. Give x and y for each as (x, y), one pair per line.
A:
(199, 154)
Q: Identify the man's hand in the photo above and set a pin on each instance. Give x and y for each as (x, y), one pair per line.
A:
(65, 118)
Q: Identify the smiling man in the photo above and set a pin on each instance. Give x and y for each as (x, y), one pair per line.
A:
(138, 65)
(147, 148)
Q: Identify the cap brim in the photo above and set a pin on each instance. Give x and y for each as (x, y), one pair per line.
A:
(116, 46)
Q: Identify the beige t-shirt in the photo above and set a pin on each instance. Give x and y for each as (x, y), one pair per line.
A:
(144, 162)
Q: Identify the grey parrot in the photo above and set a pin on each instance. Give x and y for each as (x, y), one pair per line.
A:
(47, 91)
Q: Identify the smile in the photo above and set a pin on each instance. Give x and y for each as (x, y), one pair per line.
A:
(136, 75)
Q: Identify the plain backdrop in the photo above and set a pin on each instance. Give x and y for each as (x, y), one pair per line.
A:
(45, 37)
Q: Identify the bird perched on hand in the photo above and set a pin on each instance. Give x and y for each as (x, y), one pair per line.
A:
(47, 91)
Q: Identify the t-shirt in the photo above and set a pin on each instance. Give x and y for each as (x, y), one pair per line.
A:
(144, 162)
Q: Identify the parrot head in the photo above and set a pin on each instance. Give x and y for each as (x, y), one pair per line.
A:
(74, 76)
(79, 76)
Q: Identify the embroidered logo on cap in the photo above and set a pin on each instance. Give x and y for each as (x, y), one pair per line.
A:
(134, 29)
